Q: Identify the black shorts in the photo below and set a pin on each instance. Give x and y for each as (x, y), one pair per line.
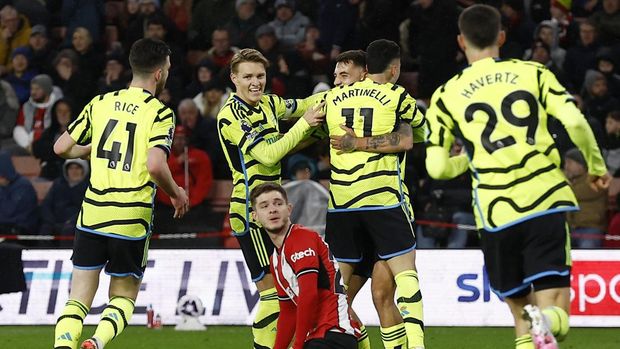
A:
(257, 249)
(367, 264)
(389, 230)
(536, 251)
(119, 256)
(333, 340)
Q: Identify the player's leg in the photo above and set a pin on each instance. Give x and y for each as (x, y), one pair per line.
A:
(257, 248)
(356, 282)
(89, 257)
(393, 235)
(383, 288)
(126, 267)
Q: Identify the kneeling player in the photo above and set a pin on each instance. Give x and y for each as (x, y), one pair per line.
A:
(313, 302)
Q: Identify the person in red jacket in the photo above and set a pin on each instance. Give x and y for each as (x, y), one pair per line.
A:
(199, 177)
(313, 301)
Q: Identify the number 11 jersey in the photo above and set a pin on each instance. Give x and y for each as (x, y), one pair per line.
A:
(121, 126)
(500, 109)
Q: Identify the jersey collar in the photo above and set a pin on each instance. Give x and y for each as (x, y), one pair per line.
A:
(131, 88)
(290, 229)
(248, 106)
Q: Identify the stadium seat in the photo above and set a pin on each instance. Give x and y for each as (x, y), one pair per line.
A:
(41, 187)
(28, 166)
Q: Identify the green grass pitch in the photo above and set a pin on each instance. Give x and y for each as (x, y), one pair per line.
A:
(225, 337)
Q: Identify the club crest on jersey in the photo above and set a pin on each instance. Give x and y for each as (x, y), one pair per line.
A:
(302, 254)
(290, 104)
(170, 136)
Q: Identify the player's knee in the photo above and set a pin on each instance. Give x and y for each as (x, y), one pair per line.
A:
(383, 294)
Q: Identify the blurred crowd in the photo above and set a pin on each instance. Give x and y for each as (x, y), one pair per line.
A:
(56, 55)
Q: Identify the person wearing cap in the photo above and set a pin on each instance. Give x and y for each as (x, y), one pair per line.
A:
(289, 24)
(588, 225)
(14, 32)
(244, 24)
(598, 102)
(42, 52)
(20, 73)
(35, 115)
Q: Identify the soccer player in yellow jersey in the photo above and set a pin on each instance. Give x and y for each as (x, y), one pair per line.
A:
(127, 135)
(250, 137)
(501, 108)
(369, 202)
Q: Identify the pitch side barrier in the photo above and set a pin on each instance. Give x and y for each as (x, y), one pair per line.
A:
(455, 287)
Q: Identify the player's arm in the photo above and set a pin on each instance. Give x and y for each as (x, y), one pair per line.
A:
(394, 142)
(286, 320)
(295, 108)
(75, 142)
(439, 163)
(561, 105)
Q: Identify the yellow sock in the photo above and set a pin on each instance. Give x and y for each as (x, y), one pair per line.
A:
(363, 342)
(266, 320)
(524, 342)
(410, 306)
(557, 319)
(69, 325)
(114, 319)
(394, 337)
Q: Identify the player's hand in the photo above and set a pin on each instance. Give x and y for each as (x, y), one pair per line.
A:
(598, 183)
(344, 143)
(315, 115)
(180, 203)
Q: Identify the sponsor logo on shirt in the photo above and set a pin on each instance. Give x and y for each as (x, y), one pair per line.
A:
(301, 254)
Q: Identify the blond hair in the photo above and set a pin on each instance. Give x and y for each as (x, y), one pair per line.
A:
(247, 55)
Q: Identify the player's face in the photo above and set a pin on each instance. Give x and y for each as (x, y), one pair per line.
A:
(250, 80)
(272, 211)
(162, 76)
(347, 73)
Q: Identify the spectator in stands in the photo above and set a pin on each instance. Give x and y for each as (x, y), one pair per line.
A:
(290, 25)
(9, 105)
(268, 45)
(90, 61)
(314, 56)
(138, 23)
(180, 13)
(597, 100)
(292, 74)
(18, 200)
(607, 21)
(221, 51)
(35, 115)
(115, 77)
(43, 148)
(204, 72)
(42, 52)
(20, 73)
(518, 27)
(212, 98)
(612, 144)
(198, 179)
(157, 28)
(582, 56)
(547, 32)
(380, 20)
(606, 63)
(83, 14)
(62, 203)
(14, 32)
(541, 53)
(76, 85)
(432, 41)
(337, 21)
(588, 225)
(206, 17)
(244, 24)
(567, 29)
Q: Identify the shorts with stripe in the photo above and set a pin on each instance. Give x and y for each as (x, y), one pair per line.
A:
(332, 340)
(121, 257)
(534, 252)
(348, 233)
(257, 248)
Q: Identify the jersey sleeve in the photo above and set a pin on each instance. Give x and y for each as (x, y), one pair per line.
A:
(303, 255)
(162, 130)
(295, 108)
(408, 112)
(560, 104)
(80, 129)
(439, 123)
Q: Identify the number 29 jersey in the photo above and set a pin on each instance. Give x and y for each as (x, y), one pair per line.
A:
(500, 110)
(121, 126)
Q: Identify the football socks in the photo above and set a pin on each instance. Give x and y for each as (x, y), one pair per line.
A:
(69, 324)
(410, 306)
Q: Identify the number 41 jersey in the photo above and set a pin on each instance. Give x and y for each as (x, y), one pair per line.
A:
(500, 110)
(121, 126)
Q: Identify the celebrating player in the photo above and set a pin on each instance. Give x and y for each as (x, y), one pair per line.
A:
(500, 108)
(313, 304)
(369, 202)
(250, 137)
(127, 135)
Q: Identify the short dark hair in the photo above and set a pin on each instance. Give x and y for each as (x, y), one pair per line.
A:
(480, 25)
(356, 57)
(147, 55)
(266, 188)
(380, 54)
(156, 20)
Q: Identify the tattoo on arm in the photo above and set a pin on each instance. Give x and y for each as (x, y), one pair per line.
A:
(375, 142)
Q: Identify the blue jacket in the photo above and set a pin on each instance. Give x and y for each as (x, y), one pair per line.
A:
(18, 200)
